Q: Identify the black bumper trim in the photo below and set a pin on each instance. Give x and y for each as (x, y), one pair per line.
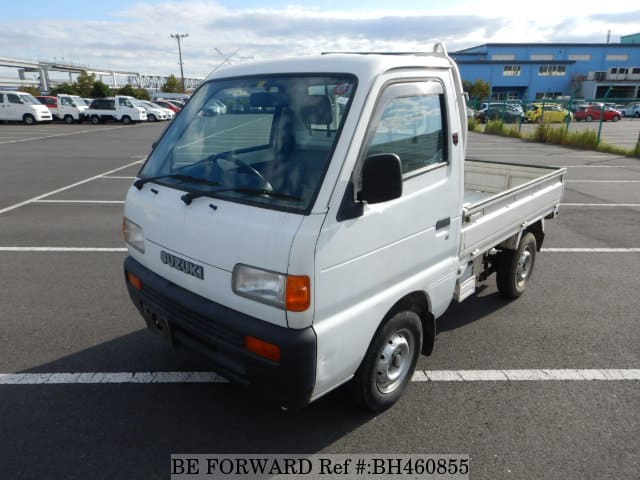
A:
(217, 332)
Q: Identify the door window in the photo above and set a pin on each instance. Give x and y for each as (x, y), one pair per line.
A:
(411, 125)
(13, 98)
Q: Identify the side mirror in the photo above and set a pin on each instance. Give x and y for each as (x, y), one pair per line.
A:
(381, 178)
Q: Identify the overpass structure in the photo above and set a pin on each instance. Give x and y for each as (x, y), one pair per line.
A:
(38, 74)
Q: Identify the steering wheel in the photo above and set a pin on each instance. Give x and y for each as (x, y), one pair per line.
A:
(244, 167)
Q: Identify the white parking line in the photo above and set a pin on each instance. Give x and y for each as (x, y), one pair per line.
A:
(419, 376)
(62, 249)
(122, 249)
(602, 181)
(117, 177)
(48, 194)
(63, 134)
(116, 202)
(600, 204)
(591, 250)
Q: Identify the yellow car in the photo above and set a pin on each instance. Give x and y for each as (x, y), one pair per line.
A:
(548, 112)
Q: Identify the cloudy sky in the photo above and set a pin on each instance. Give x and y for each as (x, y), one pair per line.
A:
(134, 36)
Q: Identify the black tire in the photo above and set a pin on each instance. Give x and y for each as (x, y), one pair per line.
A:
(615, 118)
(95, 119)
(589, 118)
(389, 363)
(152, 118)
(68, 119)
(28, 119)
(636, 115)
(514, 268)
(126, 120)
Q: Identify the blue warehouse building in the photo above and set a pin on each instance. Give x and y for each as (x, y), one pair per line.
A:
(532, 71)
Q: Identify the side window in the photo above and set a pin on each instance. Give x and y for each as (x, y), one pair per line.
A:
(411, 127)
(13, 98)
(66, 101)
(1, 97)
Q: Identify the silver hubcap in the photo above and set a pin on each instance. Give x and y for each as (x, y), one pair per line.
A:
(394, 361)
(524, 267)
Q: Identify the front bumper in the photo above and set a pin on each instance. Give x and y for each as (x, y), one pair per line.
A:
(217, 332)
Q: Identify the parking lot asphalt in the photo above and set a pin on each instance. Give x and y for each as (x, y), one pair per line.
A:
(68, 312)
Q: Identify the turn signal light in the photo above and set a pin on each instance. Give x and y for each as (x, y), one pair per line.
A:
(134, 281)
(262, 348)
(298, 296)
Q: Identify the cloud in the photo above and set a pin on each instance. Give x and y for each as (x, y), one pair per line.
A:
(137, 39)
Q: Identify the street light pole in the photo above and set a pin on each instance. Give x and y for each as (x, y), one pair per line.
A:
(178, 36)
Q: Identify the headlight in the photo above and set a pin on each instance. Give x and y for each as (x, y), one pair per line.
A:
(290, 292)
(133, 234)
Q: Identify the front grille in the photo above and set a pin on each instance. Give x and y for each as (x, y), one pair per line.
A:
(191, 321)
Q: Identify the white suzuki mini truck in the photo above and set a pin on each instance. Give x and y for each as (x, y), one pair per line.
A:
(315, 239)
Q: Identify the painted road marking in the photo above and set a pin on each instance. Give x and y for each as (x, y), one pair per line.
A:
(591, 250)
(62, 135)
(418, 376)
(602, 181)
(63, 249)
(68, 187)
(123, 249)
(131, 178)
(596, 205)
(117, 202)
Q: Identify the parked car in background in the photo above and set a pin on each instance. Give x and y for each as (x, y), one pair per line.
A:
(120, 108)
(632, 110)
(69, 108)
(591, 113)
(504, 113)
(155, 113)
(238, 108)
(547, 112)
(169, 105)
(23, 107)
(214, 107)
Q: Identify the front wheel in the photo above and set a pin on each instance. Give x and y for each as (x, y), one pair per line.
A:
(514, 268)
(95, 119)
(28, 119)
(68, 119)
(389, 362)
(151, 118)
(615, 118)
(589, 118)
(126, 120)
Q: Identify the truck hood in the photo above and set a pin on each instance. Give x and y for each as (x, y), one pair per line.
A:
(215, 235)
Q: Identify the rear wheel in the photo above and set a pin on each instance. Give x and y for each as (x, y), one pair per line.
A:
(589, 118)
(389, 362)
(28, 119)
(615, 118)
(636, 115)
(95, 119)
(514, 268)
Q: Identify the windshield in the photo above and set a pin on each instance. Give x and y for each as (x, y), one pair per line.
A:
(79, 102)
(269, 147)
(29, 99)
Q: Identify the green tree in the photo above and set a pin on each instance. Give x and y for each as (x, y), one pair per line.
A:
(64, 88)
(141, 94)
(172, 85)
(480, 89)
(84, 84)
(35, 91)
(126, 90)
(100, 90)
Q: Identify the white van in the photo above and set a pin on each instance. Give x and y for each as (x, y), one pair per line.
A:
(22, 107)
(315, 239)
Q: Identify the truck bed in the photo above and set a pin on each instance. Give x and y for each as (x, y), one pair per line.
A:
(500, 199)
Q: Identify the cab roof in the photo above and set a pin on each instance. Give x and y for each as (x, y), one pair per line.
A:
(361, 64)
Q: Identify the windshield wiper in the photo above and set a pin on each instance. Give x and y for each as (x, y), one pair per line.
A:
(180, 176)
(187, 198)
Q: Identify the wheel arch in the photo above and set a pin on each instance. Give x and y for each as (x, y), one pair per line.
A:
(419, 303)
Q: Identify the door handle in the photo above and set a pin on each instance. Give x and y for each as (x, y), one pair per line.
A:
(445, 222)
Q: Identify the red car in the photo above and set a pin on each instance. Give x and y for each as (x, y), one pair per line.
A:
(50, 102)
(590, 113)
(167, 104)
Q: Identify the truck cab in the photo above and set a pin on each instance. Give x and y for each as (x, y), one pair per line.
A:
(313, 240)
